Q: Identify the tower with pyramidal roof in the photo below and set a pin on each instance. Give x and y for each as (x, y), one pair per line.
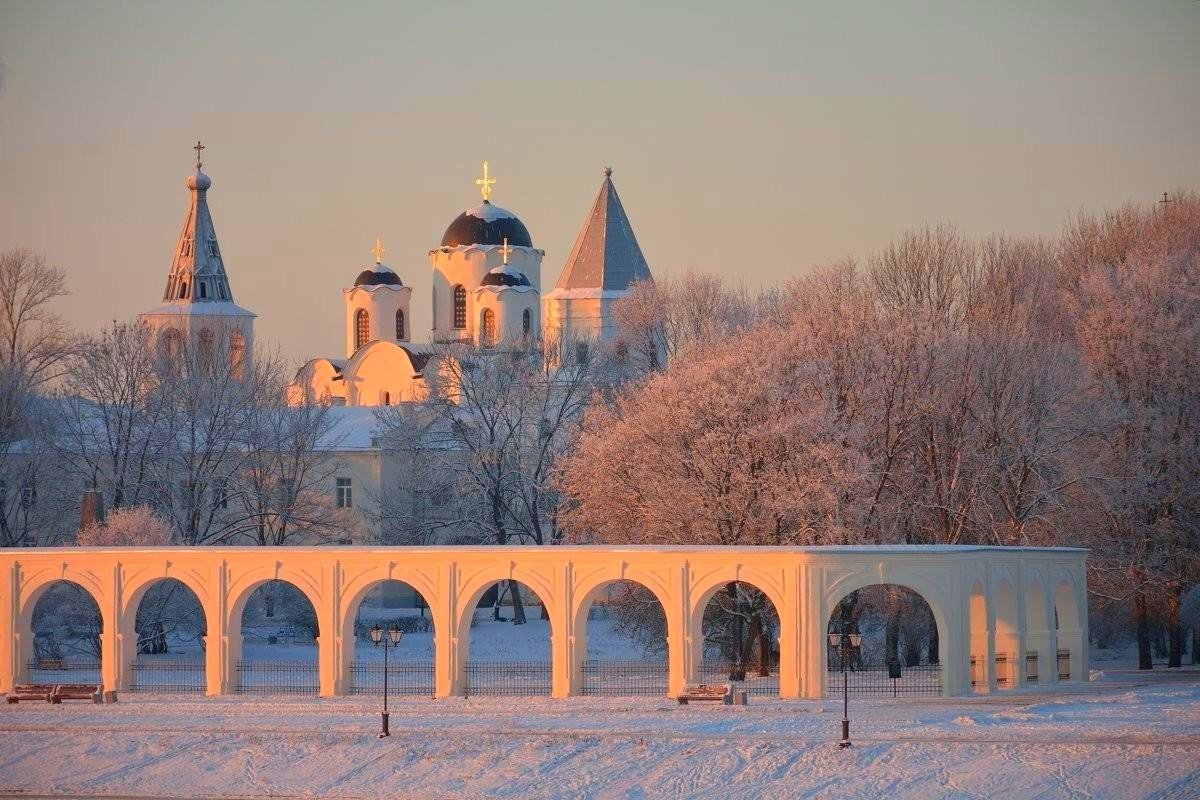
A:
(604, 263)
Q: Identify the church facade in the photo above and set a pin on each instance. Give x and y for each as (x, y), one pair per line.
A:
(487, 290)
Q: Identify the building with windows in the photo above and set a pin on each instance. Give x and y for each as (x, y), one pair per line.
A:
(487, 279)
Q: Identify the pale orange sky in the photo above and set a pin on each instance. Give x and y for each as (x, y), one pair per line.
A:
(752, 140)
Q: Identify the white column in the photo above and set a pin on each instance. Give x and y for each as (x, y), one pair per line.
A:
(223, 639)
(563, 666)
(681, 666)
(12, 665)
(791, 635)
(112, 638)
(448, 669)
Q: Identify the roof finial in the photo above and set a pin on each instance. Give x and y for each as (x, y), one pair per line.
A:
(504, 251)
(198, 148)
(378, 251)
(608, 172)
(1165, 200)
(484, 184)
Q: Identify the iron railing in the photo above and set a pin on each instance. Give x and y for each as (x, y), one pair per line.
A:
(403, 678)
(152, 675)
(876, 680)
(64, 670)
(1064, 665)
(277, 677)
(508, 678)
(1003, 678)
(1031, 667)
(721, 671)
(615, 678)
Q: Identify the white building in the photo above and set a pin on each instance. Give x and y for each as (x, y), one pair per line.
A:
(487, 278)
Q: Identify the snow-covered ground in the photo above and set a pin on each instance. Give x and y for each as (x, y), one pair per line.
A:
(1124, 736)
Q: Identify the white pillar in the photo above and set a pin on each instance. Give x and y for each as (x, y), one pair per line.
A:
(448, 669)
(112, 638)
(329, 634)
(681, 666)
(791, 635)
(563, 666)
(223, 642)
(12, 666)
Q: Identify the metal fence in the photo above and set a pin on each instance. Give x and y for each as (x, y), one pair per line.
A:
(277, 677)
(1031, 667)
(617, 678)
(403, 678)
(152, 675)
(508, 678)
(1064, 665)
(64, 670)
(720, 671)
(877, 680)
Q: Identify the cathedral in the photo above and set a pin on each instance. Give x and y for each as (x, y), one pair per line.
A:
(487, 289)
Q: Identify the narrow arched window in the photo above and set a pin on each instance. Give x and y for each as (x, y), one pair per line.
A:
(207, 351)
(362, 328)
(526, 322)
(183, 290)
(387, 398)
(487, 328)
(203, 290)
(237, 355)
(400, 325)
(460, 307)
(171, 346)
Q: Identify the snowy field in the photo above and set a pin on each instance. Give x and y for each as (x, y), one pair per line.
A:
(1123, 736)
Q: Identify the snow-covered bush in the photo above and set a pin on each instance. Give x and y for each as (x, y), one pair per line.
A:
(127, 527)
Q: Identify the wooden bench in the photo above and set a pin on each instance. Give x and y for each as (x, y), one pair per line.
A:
(705, 692)
(31, 691)
(77, 691)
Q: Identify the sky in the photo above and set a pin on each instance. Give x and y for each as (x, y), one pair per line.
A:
(753, 140)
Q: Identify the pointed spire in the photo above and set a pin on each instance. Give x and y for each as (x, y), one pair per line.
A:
(197, 271)
(606, 256)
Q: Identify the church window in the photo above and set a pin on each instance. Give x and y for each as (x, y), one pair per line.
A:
(207, 351)
(212, 248)
(220, 290)
(460, 307)
(387, 398)
(237, 356)
(203, 290)
(362, 328)
(172, 347)
(487, 328)
(526, 322)
(186, 249)
(344, 496)
(183, 290)
(400, 325)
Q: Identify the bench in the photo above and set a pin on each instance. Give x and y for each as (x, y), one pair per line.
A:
(706, 692)
(31, 691)
(77, 691)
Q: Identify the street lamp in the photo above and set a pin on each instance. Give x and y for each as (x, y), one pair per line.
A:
(844, 643)
(394, 635)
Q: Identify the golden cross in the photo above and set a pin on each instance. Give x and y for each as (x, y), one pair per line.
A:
(505, 250)
(378, 251)
(198, 148)
(484, 183)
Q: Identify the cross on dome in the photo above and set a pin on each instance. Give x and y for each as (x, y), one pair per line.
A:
(378, 251)
(485, 184)
(198, 147)
(505, 250)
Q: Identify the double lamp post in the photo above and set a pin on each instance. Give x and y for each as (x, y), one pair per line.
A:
(844, 644)
(394, 635)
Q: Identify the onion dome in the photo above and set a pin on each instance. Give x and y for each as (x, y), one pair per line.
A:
(486, 224)
(378, 275)
(198, 182)
(505, 276)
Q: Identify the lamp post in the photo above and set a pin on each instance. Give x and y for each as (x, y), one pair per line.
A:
(843, 644)
(394, 635)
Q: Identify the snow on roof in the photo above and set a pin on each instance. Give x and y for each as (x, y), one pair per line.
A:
(207, 309)
(489, 213)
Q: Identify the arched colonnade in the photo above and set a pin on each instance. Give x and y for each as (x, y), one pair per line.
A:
(993, 606)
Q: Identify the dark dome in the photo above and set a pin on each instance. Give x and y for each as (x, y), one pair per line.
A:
(504, 277)
(379, 276)
(486, 224)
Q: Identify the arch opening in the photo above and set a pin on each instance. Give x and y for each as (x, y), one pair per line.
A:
(621, 641)
(506, 638)
(278, 636)
(1068, 638)
(898, 653)
(740, 639)
(410, 663)
(170, 628)
(979, 637)
(66, 625)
